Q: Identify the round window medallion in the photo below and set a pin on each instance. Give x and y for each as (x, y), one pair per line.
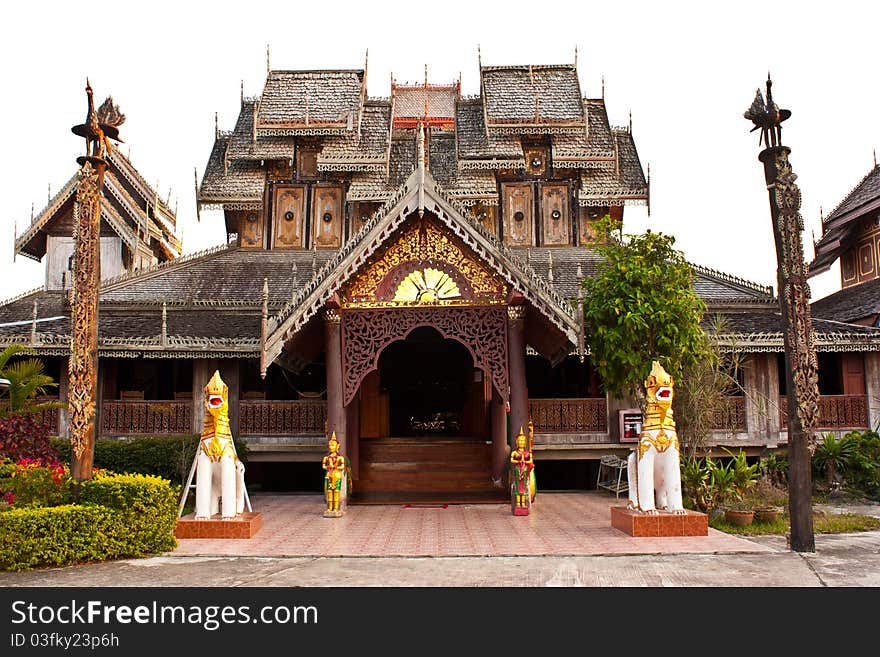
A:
(536, 162)
(252, 217)
(327, 217)
(518, 216)
(288, 216)
(556, 214)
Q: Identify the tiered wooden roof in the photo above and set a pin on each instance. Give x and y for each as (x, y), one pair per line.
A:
(131, 208)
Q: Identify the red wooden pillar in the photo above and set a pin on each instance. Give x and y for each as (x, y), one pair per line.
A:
(516, 372)
(336, 412)
(500, 448)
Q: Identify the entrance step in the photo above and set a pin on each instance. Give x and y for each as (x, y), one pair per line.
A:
(425, 471)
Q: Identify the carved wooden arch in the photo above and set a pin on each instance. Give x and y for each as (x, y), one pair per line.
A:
(366, 333)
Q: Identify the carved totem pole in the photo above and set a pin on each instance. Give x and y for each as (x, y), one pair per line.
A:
(99, 128)
(801, 375)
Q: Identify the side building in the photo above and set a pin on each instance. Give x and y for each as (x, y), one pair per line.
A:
(405, 271)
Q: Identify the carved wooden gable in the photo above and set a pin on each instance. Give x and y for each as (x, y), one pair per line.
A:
(425, 265)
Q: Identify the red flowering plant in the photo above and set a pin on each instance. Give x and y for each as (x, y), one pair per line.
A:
(34, 483)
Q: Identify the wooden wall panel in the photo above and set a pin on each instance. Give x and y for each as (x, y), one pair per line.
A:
(848, 274)
(586, 231)
(853, 365)
(487, 216)
(250, 229)
(519, 219)
(866, 260)
(360, 214)
(327, 216)
(289, 217)
(555, 219)
(306, 164)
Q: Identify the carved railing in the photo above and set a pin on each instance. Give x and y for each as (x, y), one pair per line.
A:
(569, 415)
(282, 418)
(731, 415)
(146, 417)
(835, 412)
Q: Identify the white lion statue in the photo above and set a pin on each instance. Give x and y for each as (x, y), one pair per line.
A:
(653, 470)
(219, 472)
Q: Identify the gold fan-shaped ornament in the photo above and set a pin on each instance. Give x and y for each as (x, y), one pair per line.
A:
(426, 286)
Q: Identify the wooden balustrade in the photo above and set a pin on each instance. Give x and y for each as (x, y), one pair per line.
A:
(569, 415)
(282, 417)
(731, 415)
(835, 412)
(146, 417)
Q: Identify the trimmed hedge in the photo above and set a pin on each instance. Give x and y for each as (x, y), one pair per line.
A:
(169, 457)
(118, 516)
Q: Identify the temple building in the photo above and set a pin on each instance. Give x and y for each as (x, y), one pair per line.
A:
(405, 271)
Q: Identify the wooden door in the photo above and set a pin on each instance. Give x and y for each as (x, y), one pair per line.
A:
(327, 216)
(554, 214)
(518, 214)
(289, 216)
(374, 408)
(853, 366)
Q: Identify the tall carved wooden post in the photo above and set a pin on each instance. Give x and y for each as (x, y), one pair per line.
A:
(336, 411)
(83, 363)
(516, 358)
(801, 373)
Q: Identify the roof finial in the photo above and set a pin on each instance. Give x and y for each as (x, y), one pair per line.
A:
(15, 231)
(216, 125)
(268, 65)
(34, 324)
(426, 76)
(875, 157)
(603, 87)
(575, 55)
(164, 324)
(32, 212)
(366, 62)
(550, 266)
(48, 191)
(821, 214)
(196, 180)
(264, 325)
(630, 121)
(479, 57)
(579, 274)
(648, 185)
(242, 92)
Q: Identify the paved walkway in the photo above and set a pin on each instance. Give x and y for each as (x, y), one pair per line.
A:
(561, 524)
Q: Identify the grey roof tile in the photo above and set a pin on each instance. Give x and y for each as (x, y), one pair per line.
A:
(513, 94)
(310, 98)
(850, 304)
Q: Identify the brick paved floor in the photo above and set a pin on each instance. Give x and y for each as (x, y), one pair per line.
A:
(560, 524)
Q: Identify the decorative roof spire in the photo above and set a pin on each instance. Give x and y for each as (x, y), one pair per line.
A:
(575, 55)
(268, 65)
(196, 180)
(216, 125)
(603, 87)
(550, 266)
(34, 324)
(242, 92)
(875, 157)
(48, 192)
(264, 326)
(164, 336)
(421, 167)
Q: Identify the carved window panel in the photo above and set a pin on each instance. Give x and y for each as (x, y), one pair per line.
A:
(486, 215)
(250, 229)
(866, 260)
(554, 214)
(360, 214)
(518, 214)
(327, 216)
(280, 170)
(848, 268)
(289, 216)
(587, 218)
(306, 164)
(537, 158)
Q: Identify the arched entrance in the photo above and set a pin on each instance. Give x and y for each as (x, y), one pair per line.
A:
(425, 425)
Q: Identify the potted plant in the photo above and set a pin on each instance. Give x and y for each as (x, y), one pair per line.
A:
(732, 481)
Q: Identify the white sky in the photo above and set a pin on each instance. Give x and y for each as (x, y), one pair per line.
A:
(686, 70)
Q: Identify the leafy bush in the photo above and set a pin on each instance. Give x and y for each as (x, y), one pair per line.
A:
(118, 516)
(862, 470)
(30, 483)
(146, 506)
(25, 437)
(169, 457)
(833, 456)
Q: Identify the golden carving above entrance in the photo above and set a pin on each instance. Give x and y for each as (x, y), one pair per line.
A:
(425, 265)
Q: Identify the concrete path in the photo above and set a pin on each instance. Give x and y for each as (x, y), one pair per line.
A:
(840, 560)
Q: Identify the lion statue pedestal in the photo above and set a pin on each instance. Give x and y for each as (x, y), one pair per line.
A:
(654, 472)
(219, 475)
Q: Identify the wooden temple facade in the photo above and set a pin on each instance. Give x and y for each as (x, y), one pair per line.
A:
(405, 271)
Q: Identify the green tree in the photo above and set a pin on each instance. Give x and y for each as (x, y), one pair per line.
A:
(641, 306)
(27, 381)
